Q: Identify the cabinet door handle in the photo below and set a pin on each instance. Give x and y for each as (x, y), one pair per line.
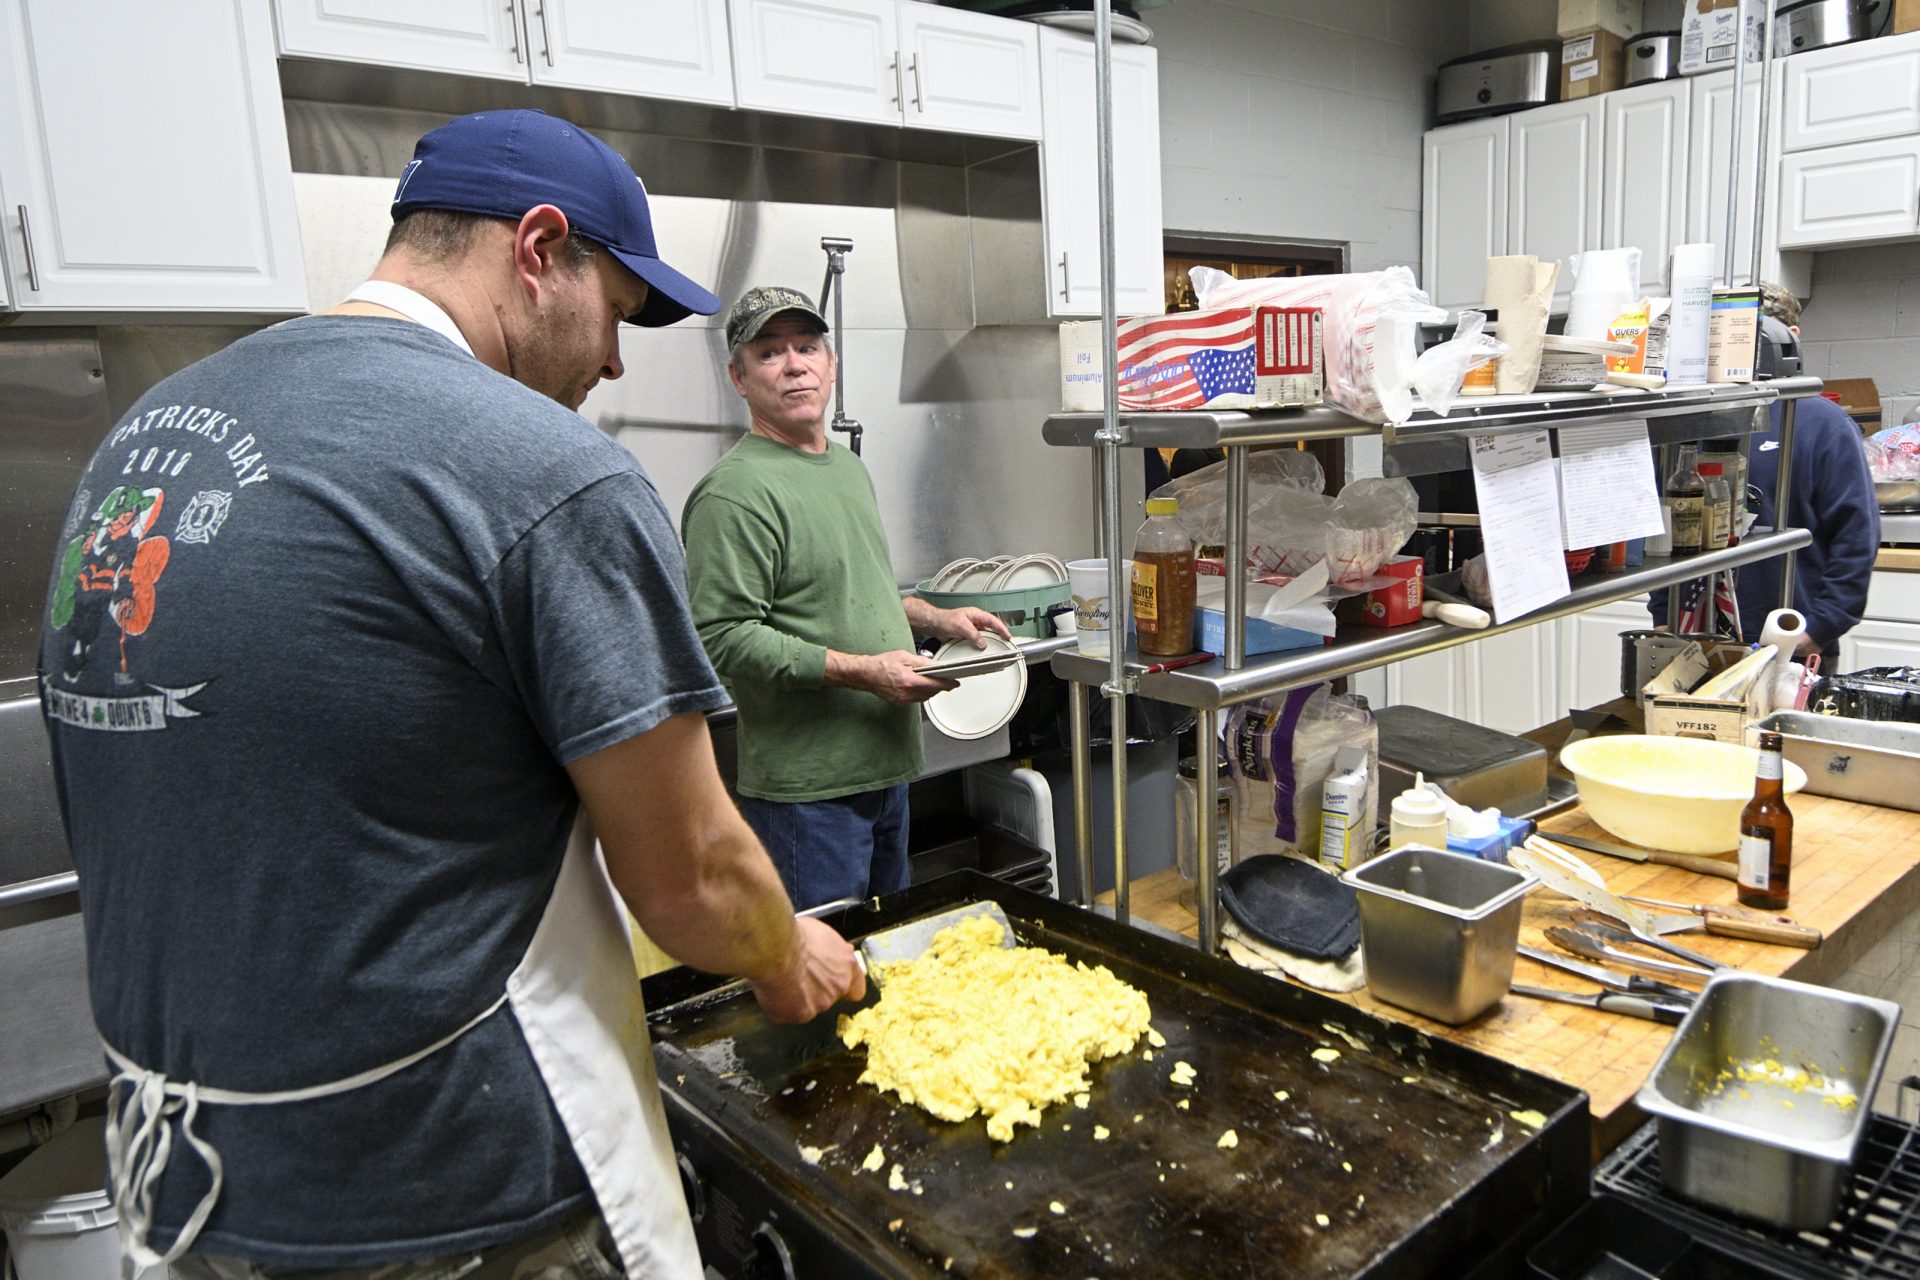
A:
(26, 238)
(513, 30)
(913, 65)
(546, 37)
(1065, 288)
(899, 89)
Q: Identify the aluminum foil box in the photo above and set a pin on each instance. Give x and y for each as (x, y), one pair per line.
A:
(1231, 358)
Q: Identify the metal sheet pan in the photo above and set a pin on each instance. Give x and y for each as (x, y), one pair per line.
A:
(1871, 761)
(1405, 1144)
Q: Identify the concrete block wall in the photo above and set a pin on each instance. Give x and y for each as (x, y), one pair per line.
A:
(1863, 321)
(1300, 119)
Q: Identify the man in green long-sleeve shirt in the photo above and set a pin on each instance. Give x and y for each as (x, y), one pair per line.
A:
(795, 600)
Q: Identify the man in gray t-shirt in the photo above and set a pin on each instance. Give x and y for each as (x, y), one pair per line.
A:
(348, 623)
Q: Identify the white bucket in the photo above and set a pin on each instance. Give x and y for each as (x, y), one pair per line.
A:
(60, 1223)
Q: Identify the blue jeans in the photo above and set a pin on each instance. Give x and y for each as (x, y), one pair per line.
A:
(848, 847)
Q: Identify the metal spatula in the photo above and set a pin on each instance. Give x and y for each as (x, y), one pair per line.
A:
(908, 941)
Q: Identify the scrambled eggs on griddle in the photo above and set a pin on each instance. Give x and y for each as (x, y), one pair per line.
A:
(973, 1027)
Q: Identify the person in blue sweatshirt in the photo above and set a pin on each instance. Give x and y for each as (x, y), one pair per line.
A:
(1832, 496)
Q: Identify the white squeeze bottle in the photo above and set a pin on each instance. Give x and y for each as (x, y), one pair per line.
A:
(1692, 312)
(1419, 817)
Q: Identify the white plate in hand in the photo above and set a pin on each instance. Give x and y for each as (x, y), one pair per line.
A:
(984, 702)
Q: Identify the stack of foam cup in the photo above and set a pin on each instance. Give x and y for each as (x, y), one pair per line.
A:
(1606, 283)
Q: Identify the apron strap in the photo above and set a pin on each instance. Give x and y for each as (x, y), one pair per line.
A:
(140, 1139)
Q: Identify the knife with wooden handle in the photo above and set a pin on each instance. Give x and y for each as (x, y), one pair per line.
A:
(1686, 862)
(1732, 922)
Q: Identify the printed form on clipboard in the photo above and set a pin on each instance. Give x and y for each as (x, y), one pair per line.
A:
(1519, 499)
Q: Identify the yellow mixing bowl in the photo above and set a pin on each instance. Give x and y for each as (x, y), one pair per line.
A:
(1683, 795)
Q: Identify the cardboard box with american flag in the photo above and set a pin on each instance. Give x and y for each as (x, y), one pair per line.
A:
(1232, 358)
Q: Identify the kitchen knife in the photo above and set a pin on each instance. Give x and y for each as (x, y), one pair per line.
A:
(1589, 947)
(1731, 922)
(1625, 983)
(1611, 1002)
(1699, 866)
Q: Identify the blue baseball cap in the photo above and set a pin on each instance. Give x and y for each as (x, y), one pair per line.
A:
(503, 163)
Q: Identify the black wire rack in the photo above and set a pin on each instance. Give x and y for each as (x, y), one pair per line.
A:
(1875, 1235)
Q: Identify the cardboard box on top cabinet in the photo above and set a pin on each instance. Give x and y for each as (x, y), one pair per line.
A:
(1620, 17)
(1708, 34)
(1906, 16)
(1591, 62)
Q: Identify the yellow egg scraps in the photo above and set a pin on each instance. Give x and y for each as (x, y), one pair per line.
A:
(973, 1027)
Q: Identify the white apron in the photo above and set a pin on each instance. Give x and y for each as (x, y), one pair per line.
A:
(578, 1003)
(577, 999)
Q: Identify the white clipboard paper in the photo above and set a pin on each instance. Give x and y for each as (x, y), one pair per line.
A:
(1513, 475)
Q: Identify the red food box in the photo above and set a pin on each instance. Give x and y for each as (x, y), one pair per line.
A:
(1400, 603)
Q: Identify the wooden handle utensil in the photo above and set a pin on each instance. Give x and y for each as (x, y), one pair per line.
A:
(1734, 922)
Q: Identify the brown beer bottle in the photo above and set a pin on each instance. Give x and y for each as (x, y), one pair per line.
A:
(1766, 834)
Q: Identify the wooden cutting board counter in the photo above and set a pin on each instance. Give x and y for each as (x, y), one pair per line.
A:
(1856, 874)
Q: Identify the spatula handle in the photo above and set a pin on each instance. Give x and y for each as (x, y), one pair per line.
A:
(1699, 866)
(1779, 932)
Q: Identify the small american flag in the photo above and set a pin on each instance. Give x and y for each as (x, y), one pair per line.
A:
(1708, 607)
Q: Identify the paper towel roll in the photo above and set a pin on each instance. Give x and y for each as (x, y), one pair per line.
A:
(1520, 287)
(1783, 630)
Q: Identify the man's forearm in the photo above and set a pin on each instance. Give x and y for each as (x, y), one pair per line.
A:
(739, 892)
(920, 614)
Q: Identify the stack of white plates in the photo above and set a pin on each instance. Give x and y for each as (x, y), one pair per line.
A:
(999, 573)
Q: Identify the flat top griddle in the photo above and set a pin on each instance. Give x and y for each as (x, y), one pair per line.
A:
(1405, 1145)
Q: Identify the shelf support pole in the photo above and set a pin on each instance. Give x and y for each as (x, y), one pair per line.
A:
(1236, 556)
(1113, 437)
(1782, 490)
(1082, 748)
(1206, 889)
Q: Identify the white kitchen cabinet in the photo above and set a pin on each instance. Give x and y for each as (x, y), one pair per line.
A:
(1590, 651)
(1709, 146)
(1876, 643)
(907, 63)
(1512, 680)
(1069, 179)
(658, 48)
(1851, 195)
(1505, 682)
(143, 157)
(1643, 183)
(1434, 681)
(653, 48)
(1855, 93)
(469, 37)
(1554, 161)
(970, 72)
(1463, 209)
(834, 58)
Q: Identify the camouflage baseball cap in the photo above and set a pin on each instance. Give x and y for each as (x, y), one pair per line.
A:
(757, 306)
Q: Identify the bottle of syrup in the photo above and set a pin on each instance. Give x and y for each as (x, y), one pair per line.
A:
(1163, 582)
(1766, 834)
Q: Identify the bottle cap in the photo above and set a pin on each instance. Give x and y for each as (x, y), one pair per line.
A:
(1710, 468)
(1163, 506)
(1419, 806)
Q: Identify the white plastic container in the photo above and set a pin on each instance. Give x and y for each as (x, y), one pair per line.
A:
(1418, 816)
(59, 1221)
(1691, 315)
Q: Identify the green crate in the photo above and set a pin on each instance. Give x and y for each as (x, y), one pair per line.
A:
(1027, 611)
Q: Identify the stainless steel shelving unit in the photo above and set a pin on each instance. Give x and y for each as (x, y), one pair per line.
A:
(1688, 414)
